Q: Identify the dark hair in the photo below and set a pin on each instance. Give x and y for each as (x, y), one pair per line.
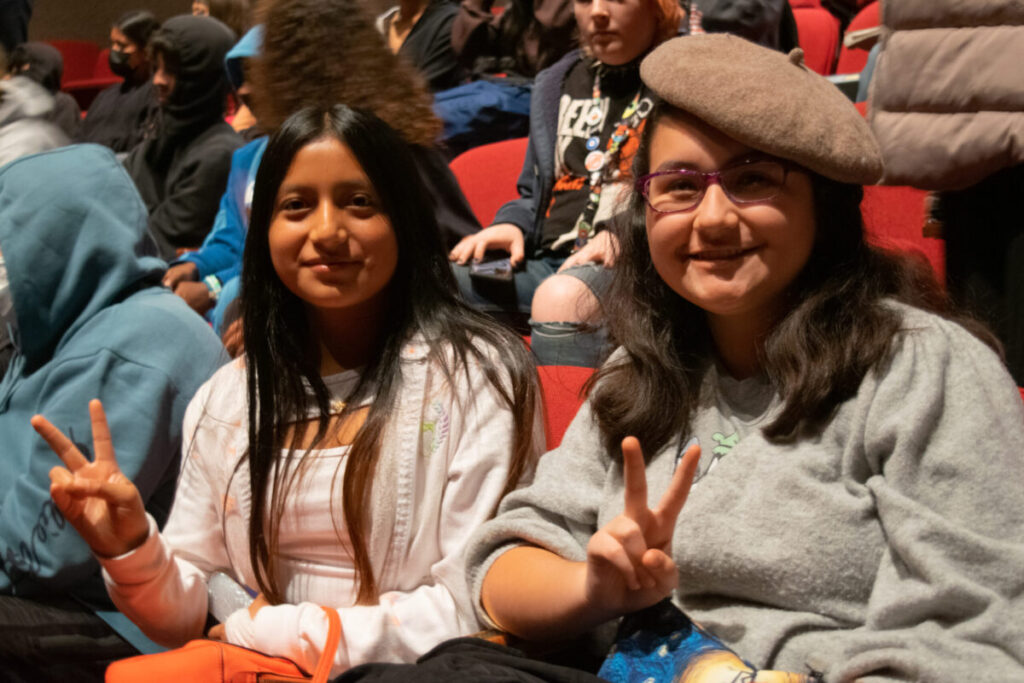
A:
(237, 14)
(163, 44)
(325, 52)
(138, 26)
(836, 330)
(282, 359)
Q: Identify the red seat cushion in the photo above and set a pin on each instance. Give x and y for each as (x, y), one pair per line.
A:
(79, 58)
(818, 31)
(561, 387)
(488, 175)
(853, 60)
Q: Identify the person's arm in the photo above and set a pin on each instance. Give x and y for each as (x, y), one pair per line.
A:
(943, 437)
(469, 455)
(186, 213)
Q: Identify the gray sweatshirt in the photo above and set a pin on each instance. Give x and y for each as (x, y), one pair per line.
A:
(891, 547)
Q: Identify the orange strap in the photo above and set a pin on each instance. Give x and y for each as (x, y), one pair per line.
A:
(323, 669)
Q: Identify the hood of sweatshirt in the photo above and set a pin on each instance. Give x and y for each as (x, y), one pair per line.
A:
(70, 243)
(22, 98)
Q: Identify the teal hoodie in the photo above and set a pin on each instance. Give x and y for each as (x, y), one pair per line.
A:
(92, 322)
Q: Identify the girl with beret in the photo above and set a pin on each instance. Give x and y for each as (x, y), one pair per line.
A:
(587, 112)
(373, 423)
(854, 445)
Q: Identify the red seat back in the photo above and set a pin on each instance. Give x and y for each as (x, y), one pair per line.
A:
(561, 387)
(488, 175)
(79, 58)
(853, 59)
(818, 31)
(102, 68)
(894, 219)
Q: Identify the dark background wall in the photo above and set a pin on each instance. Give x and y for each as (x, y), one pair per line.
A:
(91, 19)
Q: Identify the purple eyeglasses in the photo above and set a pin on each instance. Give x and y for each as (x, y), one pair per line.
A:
(748, 182)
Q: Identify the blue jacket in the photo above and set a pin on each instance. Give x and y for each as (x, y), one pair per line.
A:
(221, 253)
(538, 175)
(91, 322)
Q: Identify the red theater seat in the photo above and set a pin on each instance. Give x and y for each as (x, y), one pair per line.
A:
(818, 31)
(853, 59)
(488, 175)
(79, 58)
(561, 387)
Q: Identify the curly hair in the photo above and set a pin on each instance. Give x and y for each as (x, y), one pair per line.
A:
(317, 53)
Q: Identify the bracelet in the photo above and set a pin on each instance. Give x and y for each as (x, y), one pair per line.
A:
(213, 284)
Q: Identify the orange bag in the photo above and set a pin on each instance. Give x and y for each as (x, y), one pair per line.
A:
(202, 661)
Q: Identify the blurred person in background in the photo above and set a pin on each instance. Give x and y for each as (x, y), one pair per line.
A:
(182, 170)
(44, 64)
(421, 32)
(946, 103)
(25, 128)
(117, 117)
(237, 14)
(14, 18)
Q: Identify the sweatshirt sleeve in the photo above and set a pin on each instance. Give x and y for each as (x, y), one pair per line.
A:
(558, 511)
(474, 457)
(522, 211)
(40, 551)
(161, 585)
(943, 439)
(221, 252)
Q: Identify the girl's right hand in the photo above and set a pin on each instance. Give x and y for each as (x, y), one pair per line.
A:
(99, 501)
(629, 560)
(505, 236)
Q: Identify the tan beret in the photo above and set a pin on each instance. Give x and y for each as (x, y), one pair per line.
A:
(766, 100)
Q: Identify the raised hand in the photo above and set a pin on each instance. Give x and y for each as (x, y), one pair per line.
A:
(629, 561)
(99, 501)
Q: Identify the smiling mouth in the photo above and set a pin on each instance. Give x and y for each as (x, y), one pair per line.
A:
(721, 254)
(324, 266)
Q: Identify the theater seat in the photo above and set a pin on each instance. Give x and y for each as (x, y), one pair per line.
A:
(853, 59)
(894, 219)
(561, 387)
(79, 58)
(818, 31)
(488, 175)
(85, 90)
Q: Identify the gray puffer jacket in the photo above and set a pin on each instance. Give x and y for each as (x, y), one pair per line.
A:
(24, 129)
(947, 98)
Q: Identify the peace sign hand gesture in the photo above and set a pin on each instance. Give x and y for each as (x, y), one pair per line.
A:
(99, 501)
(629, 562)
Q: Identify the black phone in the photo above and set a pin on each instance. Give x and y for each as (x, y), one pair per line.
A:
(499, 269)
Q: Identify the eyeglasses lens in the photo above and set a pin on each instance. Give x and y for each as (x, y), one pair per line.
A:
(683, 190)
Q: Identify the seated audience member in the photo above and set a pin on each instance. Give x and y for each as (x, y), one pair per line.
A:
(89, 320)
(236, 14)
(525, 38)
(587, 114)
(316, 52)
(767, 22)
(25, 126)
(182, 170)
(415, 413)
(823, 392)
(14, 18)
(44, 64)
(118, 116)
(421, 32)
(239, 63)
(958, 131)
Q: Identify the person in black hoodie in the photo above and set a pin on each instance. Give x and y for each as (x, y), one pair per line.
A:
(182, 170)
(44, 64)
(118, 116)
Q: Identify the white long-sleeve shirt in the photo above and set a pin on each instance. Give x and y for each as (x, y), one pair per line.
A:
(443, 464)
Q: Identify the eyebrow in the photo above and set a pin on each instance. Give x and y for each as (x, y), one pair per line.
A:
(354, 184)
(676, 165)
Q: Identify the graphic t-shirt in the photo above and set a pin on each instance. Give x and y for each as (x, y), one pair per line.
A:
(585, 131)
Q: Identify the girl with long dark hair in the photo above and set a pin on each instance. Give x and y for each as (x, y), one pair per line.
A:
(853, 444)
(382, 422)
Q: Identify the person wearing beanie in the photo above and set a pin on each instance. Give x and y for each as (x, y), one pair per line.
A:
(182, 170)
(587, 113)
(799, 443)
(118, 116)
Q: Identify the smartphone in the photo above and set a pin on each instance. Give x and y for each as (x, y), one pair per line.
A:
(499, 269)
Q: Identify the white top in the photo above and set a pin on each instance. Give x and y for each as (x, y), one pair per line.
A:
(443, 464)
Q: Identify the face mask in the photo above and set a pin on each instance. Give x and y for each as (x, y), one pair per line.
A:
(119, 63)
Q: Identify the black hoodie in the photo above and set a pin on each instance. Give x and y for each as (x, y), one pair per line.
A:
(182, 171)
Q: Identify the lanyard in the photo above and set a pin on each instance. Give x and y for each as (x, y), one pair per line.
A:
(597, 162)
